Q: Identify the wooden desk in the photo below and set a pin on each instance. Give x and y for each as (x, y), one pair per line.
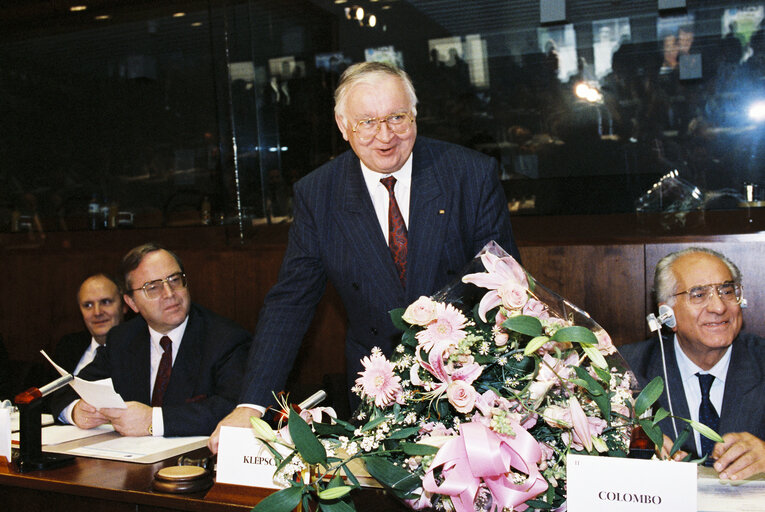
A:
(96, 485)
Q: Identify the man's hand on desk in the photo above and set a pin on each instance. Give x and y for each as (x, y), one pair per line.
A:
(740, 456)
(667, 447)
(86, 416)
(133, 421)
(239, 417)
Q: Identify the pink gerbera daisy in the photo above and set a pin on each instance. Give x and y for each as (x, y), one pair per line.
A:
(379, 381)
(447, 327)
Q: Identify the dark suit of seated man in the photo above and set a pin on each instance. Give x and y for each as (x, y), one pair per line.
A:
(100, 302)
(708, 351)
(180, 388)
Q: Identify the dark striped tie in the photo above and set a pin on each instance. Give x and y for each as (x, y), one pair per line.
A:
(396, 230)
(707, 413)
(163, 372)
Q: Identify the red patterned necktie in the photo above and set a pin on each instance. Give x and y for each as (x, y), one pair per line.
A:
(163, 372)
(396, 230)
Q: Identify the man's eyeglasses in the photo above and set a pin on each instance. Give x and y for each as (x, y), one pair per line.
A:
(399, 123)
(700, 295)
(153, 289)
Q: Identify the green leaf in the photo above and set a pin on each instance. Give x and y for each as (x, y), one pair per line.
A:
(660, 415)
(333, 493)
(575, 334)
(305, 440)
(653, 432)
(680, 440)
(351, 476)
(325, 429)
(398, 322)
(595, 390)
(602, 374)
(535, 344)
(347, 426)
(649, 395)
(281, 501)
(335, 506)
(595, 356)
(373, 423)
(419, 449)
(404, 433)
(391, 476)
(524, 324)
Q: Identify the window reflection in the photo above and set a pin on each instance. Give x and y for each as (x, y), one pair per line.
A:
(158, 119)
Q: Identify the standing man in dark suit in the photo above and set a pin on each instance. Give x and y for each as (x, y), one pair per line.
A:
(100, 302)
(715, 374)
(381, 247)
(177, 365)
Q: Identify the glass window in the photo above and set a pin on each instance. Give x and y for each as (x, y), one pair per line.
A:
(147, 116)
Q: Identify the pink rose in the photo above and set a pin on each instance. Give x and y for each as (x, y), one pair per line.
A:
(501, 339)
(513, 295)
(461, 395)
(557, 416)
(420, 312)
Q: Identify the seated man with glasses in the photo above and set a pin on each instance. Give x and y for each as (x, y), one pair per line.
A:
(715, 373)
(177, 365)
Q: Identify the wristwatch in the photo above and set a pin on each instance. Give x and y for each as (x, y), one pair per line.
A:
(151, 429)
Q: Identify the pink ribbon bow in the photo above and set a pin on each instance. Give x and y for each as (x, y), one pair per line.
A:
(480, 455)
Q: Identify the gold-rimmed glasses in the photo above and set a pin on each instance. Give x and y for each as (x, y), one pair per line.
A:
(153, 289)
(399, 123)
(700, 295)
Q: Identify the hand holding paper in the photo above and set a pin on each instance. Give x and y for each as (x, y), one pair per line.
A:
(99, 394)
(86, 416)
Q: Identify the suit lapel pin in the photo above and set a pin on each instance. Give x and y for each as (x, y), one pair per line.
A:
(440, 212)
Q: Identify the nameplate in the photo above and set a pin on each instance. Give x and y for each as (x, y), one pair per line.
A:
(618, 484)
(244, 460)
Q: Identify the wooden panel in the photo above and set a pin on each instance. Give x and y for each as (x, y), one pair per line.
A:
(600, 279)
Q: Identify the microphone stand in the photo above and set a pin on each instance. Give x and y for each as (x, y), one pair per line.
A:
(29, 402)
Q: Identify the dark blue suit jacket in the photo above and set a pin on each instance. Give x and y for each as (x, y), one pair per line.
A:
(205, 380)
(70, 349)
(743, 408)
(457, 205)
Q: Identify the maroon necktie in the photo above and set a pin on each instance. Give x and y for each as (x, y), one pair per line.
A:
(163, 372)
(396, 230)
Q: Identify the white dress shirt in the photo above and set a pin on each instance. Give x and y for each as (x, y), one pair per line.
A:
(380, 196)
(688, 371)
(176, 336)
(87, 356)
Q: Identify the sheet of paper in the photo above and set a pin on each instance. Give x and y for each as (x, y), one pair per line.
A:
(57, 434)
(618, 484)
(99, 393)
(128, 448)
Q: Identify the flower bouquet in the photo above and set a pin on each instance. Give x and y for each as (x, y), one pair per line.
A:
(496, 380)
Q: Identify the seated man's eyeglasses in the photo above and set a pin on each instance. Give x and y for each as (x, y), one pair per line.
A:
(153, 289)
(399, 123)
(699, 295)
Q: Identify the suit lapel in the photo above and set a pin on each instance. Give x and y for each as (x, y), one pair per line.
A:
(741, 379)
(427, 223)
(138, 365)
(187, 362)
(356, 219)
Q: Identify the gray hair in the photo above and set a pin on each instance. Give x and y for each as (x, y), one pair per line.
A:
(665, 281)
(369, 73)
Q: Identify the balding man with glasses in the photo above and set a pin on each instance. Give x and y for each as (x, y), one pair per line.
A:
(395, 218)
(177, 365)
(715, 373)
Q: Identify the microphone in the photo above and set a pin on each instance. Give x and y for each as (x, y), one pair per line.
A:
(32, 394)
(666, 317)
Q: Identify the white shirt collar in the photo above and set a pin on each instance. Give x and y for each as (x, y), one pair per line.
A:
(176, 335)
(689, 369)
(403, 176)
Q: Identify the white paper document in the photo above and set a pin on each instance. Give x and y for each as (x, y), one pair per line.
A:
(133, 448)
(57, 434)
(100, 393)
(5, 433)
